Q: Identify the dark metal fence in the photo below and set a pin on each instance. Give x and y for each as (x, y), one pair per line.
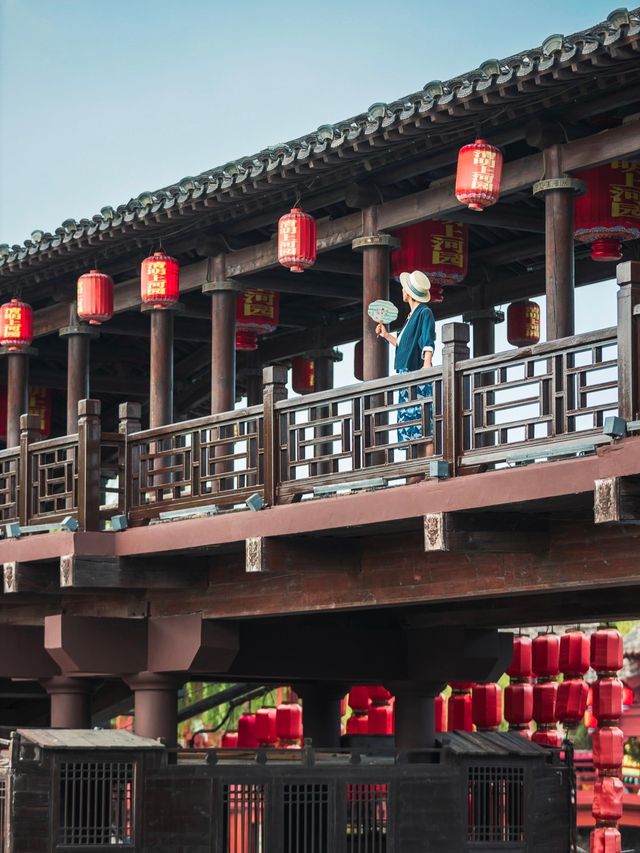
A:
(96, 803)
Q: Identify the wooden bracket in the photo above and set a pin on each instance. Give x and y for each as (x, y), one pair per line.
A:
(617, 500)
(489, 532)
(281, 554)
(29, 577)
(131, 572)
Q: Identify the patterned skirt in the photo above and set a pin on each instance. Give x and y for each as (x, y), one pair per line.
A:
(414, 412)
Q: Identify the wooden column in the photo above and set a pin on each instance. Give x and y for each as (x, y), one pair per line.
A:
(559, 192)
(161, 367)
(70, 702)
(375, 248)
(628, 275)
(78, 337)
(321, 712)
(415, 714)
(483, 321)
(17, 392)
(155, 706)
(223, 337)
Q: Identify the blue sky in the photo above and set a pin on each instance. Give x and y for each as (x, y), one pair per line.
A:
(102, 99)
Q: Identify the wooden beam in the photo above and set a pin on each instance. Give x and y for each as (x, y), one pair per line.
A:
(283, 554)
(617, 500)
(487, 532)
(78, 572)
(96, 645)
(29, 577)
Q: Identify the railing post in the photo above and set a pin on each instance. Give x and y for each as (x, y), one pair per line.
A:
(89, 437)
(29, 429)
(129, 418)
(274, 381)
(455, 337)
(628, 275)
(129, 421)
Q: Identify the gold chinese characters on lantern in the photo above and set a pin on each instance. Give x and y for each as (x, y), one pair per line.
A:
(437, 248)
(478, 175)
(16, 325)
(608, 213)
(297, 240)
(160, 280)
(523, 323)
(257, 313)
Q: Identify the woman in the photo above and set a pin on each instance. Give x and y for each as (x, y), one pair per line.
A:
(414, 350)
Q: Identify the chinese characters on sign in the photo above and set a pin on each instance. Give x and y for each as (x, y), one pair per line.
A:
(625, 193)
(449, 247)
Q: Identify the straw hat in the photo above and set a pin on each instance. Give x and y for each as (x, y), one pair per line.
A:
(417, 285)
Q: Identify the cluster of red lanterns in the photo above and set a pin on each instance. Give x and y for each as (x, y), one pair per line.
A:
(523, 323)
(297, 240)
(371, 711)
(279, 728)
(608, 212)
(478, 175)
(257, 313)
(16, 325)
(606, 657)
(518, 694)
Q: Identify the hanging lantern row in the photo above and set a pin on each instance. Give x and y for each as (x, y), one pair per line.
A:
(478, 175)
(437, 248)
(518, 694)
(257, 313)
(523, 323)
(269, 727)
(16, 325)
(371, 711)
(608, 212)
(297, 240)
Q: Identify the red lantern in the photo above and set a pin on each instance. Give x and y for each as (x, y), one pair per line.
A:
(94, 295)
(160, 280)
(289, 721)
(437, 248)
(441, 713)
(520, 666)
(546, 655)
(265, 728)
(590, 721)
(379, 695)
(359, 699)
(518, 704)
(478, 175)
(607, 798)
(229, 740)
(608, 748)
(607, 699)
(544, 702)
(381, 720)
(605, 839)
(460, 712)
(547, 737)
(609, 211)
(571, 701)
(607, 650)
(574, 653)
(40, 404)
(16, 325)
(523, 323)
(247, 732)
(358, 724)
(627, 697)
(297, 240)
(257, 313)
(303, 378)
(486, 705)
(436, 293)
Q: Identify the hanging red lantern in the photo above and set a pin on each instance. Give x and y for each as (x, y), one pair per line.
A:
(590, 722)
(518, 704)
(94, 297)
(523, 323)
(160, 280)
(478, 175)
(16, 325)
(571, 701)
(229, 740)
(257, 313)
(547, 737)
(607, 650)
(437, 248)
(359, 699)
(544, 702)
(486, 704)
(607, 745)
(605, 839)
(627, 697)
(379, 695)
(546, 655)
(607, 700)
(608, 213)
(265, 727)
(303, 378)
(358, 724)
(247, 732)
(297, 240)
(460, 710)
(520, 666)
(607, 798)
(380, 720)
(574, 653)
(289, 721)
(440, 713)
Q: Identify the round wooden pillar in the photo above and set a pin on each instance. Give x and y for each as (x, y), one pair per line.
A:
(161, 367)
(70, 702)
(321, 712)
(483, 322)
(155, 706)
(17, 393)
(375, 248)
(415, 715)
(78, 337)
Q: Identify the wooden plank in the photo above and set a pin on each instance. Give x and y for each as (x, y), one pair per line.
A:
(490, 533)
(78, 572)
(309, 553)
(29, 577)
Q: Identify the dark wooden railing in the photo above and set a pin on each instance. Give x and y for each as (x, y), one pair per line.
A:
(512, 407)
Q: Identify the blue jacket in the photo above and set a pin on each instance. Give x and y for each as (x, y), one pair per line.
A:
(418, 332)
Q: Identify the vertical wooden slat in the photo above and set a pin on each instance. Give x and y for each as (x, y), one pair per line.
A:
(455, 337)
(29, 427)
(274, 385)
(89, 435)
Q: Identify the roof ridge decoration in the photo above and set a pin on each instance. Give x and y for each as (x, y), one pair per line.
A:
(555, 50)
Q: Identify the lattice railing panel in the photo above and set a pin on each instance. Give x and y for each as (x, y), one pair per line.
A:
(53, 479)
(9, 476)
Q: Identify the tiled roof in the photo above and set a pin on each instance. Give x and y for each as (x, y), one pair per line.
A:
(380, 121)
